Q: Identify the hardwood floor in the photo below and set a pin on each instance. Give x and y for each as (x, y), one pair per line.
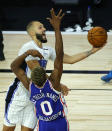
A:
(90, 100)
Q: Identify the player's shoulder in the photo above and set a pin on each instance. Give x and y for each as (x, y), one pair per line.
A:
(30, 43)
(26, 46)
(50, 85)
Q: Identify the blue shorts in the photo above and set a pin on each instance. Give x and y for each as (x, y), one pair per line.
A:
(60, 124)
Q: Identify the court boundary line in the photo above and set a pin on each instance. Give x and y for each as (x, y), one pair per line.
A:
(68, 71)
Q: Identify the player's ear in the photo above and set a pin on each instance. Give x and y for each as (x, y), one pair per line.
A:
(32, 33)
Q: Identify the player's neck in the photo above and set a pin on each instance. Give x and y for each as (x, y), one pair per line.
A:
(40, 87)
(37, 42)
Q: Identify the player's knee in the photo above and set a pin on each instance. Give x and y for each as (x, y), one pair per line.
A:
(23, 128)
(6, 128)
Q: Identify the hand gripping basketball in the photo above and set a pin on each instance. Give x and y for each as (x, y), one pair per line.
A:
(97, 37)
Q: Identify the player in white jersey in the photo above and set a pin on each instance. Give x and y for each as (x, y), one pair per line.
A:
(45, 90)
(18, 105)
(17, 100)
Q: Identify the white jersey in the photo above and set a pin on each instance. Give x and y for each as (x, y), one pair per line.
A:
(19, 108)
(19, 92)
(47, 53)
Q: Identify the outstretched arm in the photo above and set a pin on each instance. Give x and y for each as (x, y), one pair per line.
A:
(58, 63)
(78, 57)
(16, 66)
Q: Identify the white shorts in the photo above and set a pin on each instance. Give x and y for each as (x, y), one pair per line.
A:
(24, 116)
(19, 109)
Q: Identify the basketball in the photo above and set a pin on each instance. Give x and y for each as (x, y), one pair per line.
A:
(97, 36)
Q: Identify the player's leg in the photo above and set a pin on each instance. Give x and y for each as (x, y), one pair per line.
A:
(23, 128)
(8, 128)
(29, 119)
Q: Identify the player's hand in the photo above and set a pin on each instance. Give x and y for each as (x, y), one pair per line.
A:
(34, 53)
(94, 49)
(55, 20)
(64, 89)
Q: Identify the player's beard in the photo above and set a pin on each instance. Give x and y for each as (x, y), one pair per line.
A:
(40, 38)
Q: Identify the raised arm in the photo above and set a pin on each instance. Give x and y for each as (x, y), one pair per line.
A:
(58, 63)
(16, 66)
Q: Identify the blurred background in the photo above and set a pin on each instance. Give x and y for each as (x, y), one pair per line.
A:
(16, 14)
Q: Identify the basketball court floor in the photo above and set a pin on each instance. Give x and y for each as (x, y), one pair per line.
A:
(90, 100)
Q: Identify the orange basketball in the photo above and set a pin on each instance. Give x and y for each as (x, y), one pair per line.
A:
(97, 36)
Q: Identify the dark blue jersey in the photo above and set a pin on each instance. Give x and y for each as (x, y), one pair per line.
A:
(49, 103)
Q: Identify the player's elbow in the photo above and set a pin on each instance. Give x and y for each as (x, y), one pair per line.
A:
(68, 61)
(13, 67)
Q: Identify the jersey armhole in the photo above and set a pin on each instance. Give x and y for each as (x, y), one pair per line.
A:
(30, 87)
(53, 88)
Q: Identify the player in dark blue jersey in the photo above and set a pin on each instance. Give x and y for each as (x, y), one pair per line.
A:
(45, 91)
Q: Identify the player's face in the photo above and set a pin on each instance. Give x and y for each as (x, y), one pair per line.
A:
(40, 32)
